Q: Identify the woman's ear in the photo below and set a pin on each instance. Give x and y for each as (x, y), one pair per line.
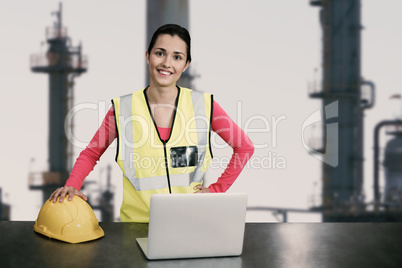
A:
(185, 67)
(147, 57)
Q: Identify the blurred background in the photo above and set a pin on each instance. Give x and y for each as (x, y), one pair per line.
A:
(273, 66)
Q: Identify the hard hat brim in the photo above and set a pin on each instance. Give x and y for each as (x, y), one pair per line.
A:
(99, 233)
(69, 221)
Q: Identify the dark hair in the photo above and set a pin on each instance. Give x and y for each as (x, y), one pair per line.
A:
(172, 29)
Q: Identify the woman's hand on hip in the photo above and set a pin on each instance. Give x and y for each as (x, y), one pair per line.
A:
(201, 189)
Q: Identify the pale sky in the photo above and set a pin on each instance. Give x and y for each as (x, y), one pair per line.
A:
(256, 57)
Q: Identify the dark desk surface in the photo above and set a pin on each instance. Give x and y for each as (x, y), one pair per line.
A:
(285, 245)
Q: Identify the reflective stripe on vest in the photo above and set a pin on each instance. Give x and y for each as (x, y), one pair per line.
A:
(199, 110)
(134, 153)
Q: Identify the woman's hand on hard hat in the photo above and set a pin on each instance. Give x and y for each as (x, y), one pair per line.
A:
(66, 190)
(201, 189)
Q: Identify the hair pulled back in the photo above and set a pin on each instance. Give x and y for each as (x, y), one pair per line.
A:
(172, 30)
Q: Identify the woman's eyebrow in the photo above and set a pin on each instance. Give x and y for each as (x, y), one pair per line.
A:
(164, 50)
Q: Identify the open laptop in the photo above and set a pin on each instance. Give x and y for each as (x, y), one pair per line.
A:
(195, 225)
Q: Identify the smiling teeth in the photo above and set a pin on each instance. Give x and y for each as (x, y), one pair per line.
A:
(165, 73)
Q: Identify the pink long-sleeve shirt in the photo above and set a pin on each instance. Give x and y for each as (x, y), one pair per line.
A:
(221, 124)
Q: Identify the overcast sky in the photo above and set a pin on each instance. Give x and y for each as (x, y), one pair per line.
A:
(256, 57)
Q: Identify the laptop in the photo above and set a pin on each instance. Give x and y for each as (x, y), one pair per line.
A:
(195, 225)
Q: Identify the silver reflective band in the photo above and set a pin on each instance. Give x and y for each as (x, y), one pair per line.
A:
(160, 182)
(126, 112)
(199, 112)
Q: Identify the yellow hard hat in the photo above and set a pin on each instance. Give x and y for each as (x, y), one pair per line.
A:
(70, 221)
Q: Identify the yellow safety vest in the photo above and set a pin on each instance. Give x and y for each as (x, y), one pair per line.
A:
(151, 165)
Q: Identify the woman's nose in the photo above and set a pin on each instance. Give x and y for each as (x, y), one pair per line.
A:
(166, 62)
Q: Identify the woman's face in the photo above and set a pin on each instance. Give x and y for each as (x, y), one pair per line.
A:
(167, 61)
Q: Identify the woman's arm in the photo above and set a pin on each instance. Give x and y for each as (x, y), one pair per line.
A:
(242, 146)
(88, 158)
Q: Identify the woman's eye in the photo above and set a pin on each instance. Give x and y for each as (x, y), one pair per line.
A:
(159, 53)
(177, 57)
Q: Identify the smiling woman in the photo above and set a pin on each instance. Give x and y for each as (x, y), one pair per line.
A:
(163, 133)
(166, 62)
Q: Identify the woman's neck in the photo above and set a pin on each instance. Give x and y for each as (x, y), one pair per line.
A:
(162, 104)
(161, 95)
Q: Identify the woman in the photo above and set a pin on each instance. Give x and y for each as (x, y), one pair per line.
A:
(163, 134)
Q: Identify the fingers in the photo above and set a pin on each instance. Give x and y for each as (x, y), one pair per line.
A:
(52, 195)
(69, 191)
(70, 195)
(201, 189)
(81, 195)
(64, 192)
(197, 188)
(55, 194)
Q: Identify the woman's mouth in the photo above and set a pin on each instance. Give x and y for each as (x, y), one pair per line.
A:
(164, 73)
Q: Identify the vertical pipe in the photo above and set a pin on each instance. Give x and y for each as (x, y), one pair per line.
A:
(57, 143)
(376, 163)
(285, 216)
(340, 21)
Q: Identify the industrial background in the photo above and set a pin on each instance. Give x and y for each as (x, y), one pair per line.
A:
(272, 66)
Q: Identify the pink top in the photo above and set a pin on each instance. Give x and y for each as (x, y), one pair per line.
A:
(221, 124)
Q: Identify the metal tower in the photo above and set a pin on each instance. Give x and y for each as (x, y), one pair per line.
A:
(63, 63)
(343, 106)
(160, 12)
